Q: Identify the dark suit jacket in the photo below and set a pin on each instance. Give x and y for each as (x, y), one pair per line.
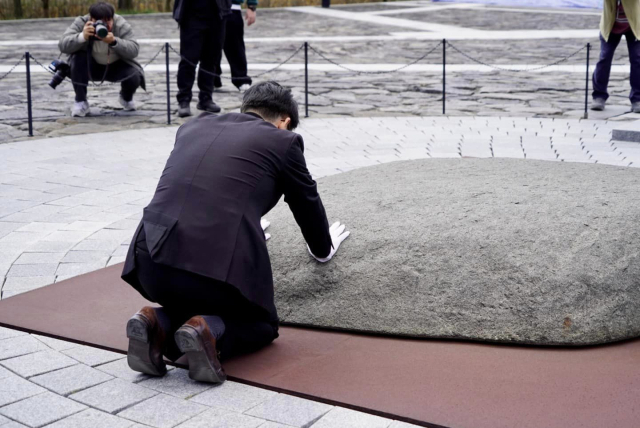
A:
(181, 9)
(224, 173)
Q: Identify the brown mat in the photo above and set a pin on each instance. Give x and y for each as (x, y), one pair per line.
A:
(421, 381)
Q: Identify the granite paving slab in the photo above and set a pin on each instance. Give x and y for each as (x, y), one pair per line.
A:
(41, 409)
(37, 363)
(163, 411)
(113, 396)
(71, 379)
(92, 418)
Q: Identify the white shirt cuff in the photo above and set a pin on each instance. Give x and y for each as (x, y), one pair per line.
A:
(81, 37)
(321, 260)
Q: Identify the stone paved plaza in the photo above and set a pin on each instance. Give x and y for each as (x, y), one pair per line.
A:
(366, 37)
(69, 203)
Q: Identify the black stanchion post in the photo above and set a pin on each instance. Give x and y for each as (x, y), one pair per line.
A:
(444, 74)
(29, 112)
(586, 87)
(166, 49)
(306, 80)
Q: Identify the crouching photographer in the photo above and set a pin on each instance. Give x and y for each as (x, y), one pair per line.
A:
(101, 47)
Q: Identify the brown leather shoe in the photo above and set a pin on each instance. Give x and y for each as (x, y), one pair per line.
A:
(146, 342)
(195, 339)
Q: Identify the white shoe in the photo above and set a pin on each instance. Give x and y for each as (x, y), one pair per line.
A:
(80, 109)
(127, 105)
(244, 87)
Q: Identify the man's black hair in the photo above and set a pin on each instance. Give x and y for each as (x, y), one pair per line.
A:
(272, 102)
(102, 10)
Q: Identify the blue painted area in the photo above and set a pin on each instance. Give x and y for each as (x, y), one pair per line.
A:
(593, 4)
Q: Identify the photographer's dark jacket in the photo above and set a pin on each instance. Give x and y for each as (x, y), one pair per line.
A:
(199, 9)
(126, 47)
(224, 173)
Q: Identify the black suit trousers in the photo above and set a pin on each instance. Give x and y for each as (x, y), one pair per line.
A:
(199, 43)
(234, 50)
(81, 70)
(183, 294)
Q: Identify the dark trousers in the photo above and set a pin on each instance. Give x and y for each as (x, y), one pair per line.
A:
(603, 69)
(239, 325)
(234, 50)
(199, 43)
(114, 72)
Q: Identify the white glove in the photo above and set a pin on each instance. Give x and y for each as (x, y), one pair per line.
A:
(337, 236)
(264, 223)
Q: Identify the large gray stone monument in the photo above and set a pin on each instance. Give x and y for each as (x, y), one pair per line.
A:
(482, 249)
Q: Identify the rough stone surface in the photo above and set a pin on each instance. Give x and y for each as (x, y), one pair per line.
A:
(233, 396)
(483, 249)
(289, 410)
(92, 418)
(163, 411)
(71, 379)
(41, 409)
(341, 417)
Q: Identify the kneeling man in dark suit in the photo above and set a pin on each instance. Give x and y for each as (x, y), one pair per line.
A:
(200, 249)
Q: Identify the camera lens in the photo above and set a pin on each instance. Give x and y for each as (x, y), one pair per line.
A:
(56, 79)
(101, 29)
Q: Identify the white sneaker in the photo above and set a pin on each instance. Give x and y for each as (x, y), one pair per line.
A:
(80, 109)
(244, 87)
(127, 105)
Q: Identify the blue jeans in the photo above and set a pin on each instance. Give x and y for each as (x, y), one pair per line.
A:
(603, 69)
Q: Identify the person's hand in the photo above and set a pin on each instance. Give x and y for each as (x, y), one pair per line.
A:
(264, 223)
(338, 235)
(89, 30)
(109, 38)
(250, 17)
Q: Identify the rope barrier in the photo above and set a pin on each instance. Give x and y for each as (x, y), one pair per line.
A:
(496, 67)
(95, 85)
(27, 56)
(323, 56)
(229, 78)
(13, 68)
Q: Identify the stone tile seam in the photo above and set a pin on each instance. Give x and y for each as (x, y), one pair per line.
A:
(207, 408)
(310, 424)
(17, 356)
(118, 410)
(261, 402)
(22, 399)
(141, 379)
(84, 364)
(59, 419)
(48, 371)
(76, 390)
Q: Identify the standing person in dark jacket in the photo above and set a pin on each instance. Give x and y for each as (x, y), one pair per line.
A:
(234, 48)
(201, 37)
(200, 249)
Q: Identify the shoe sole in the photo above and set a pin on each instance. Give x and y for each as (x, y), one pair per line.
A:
(190, 343)
(597, 108)
(184, 114)
(140, 346)
(210, 111)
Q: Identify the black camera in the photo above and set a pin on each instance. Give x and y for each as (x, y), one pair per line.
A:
(61, 70)
(101, 29)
